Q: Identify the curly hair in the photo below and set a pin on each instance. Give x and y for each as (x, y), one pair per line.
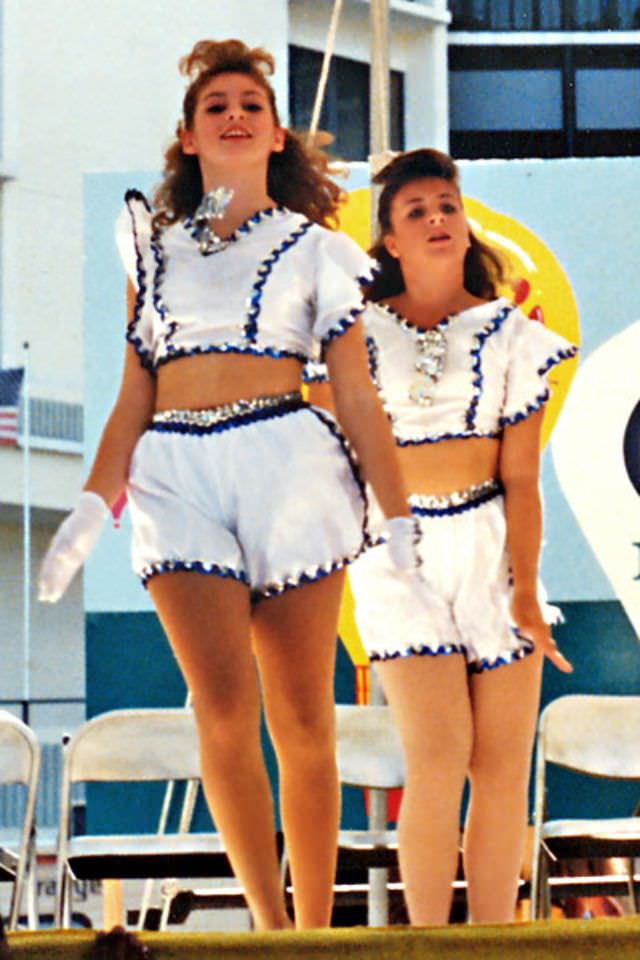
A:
(483, 267)
(297, 178)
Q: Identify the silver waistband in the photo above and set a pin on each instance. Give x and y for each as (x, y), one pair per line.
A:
(227, 411)
(457, 498)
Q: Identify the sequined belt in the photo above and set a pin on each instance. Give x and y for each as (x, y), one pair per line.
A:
(427, 505)
(227, 415)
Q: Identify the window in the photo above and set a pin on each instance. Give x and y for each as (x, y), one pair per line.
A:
(544, 101)
(345, 112)
(510, 15)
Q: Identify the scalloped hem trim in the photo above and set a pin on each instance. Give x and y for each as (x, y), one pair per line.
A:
(341, 326)
(542, 398)
(271, 590)
(312, 575)
(191, 566)
(446, 649)
(481, 666)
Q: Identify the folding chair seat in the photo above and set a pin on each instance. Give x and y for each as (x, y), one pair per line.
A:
(20, 764)
(133, 746)
(598, 736)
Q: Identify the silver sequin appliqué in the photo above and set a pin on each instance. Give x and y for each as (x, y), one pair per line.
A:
(211, 208)
(431, 347)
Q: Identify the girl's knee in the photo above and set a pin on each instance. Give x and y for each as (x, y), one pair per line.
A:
(308, 732)
(224, 721)
(445, 748)
(500, 772)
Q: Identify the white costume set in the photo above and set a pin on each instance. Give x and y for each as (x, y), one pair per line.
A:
(262, 490)
(487, 368)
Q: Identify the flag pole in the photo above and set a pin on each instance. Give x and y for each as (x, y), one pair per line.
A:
(26, 530)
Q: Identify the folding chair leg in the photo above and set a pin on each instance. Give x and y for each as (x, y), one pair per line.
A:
(544, 895)
(147, 893)
(634, 892)
(168, 892)
(378, 902)
(32, 898)
(62, 912)
(16, 897)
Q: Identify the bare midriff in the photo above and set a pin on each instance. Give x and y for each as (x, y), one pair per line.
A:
(212, 379)
(439, 468)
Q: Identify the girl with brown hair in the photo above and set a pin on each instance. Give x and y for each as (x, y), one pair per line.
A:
(246, 501)
(463, 376)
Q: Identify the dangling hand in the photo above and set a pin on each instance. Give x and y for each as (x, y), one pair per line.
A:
(527, 616)
(404, 537)
(71, 545)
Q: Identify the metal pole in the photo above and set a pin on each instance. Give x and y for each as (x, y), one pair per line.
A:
(26, 531)
(379, 99)
(379, 84)
(379, 103)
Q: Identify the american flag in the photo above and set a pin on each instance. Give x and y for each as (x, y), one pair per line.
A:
(10, 385)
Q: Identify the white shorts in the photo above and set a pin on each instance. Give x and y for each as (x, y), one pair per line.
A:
(263, 491)
(465, 562)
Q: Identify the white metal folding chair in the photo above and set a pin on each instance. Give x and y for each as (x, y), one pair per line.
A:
(369, 755)
(127, 746)
(600, 736)
(20, 764)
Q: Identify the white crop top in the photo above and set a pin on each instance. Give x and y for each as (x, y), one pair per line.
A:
(282, 287)
(494, 372)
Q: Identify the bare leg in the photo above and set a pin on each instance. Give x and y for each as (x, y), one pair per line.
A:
(505, 708)
(207, 621)
(429, 697)
(295, 641)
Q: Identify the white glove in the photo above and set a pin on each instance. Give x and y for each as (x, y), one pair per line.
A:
(404, 537)
(71, 545)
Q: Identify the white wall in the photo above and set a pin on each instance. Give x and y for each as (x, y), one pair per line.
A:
(89, 85)
(57, 633)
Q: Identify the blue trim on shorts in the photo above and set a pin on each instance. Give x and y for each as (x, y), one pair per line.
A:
(318, 572)
(241, 420)
(193, 566)
(312, 575)
(334, 429)
(528, 647)
(445, 649)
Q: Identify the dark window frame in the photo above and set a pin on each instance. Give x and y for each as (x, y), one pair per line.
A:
(609, 18)
(570, 141)
(300, 111)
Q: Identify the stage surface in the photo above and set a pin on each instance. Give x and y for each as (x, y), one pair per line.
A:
(601, 939)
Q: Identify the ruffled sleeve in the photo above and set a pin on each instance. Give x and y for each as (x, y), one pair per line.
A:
(533, 351)
(341, 269)
(133, 239)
